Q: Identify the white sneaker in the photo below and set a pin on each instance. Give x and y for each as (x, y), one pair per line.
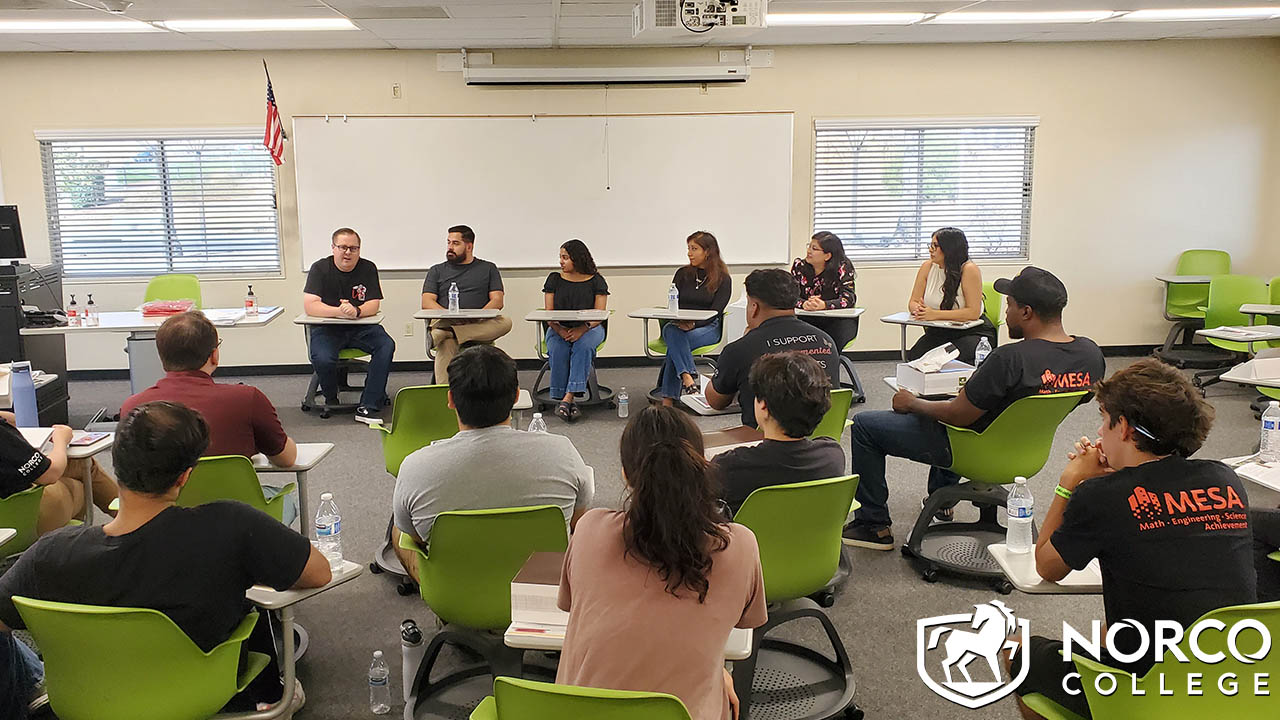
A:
(299, 700)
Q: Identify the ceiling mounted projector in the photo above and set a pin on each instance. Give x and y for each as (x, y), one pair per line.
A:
(659, 19)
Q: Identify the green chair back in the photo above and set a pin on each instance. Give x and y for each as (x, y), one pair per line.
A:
(834, 422)
(516, 699)
(1186, 300)
(798, 529)
(230, 477)
(175, 286)
(21, 512)
(1016, 444)
(992, 304)
(1273, 393)
(106, 663)
(1226, 294)
(420, 416)
(1274, 287)
(465, 576)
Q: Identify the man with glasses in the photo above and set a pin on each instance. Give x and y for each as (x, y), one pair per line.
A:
(346, 286)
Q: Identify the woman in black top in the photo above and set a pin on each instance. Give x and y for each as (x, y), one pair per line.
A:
(826, 278)
(704, 284)
(23, 467)
(571, 345)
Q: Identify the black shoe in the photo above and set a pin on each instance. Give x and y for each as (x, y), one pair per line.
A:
(942, 514)
(868, 536)
(368, 416)
(689, 389)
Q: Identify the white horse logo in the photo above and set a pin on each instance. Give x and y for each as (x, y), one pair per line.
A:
(989, 626)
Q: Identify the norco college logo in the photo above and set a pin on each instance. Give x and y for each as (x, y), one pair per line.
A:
(986, 633)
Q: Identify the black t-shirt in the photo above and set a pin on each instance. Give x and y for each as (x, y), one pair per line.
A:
(1172, 537)
(1032, 367)
(20, 464)
(691, 282)
(332, 285)
(192, 564)
(571, 295)
(777, 334)
(775, 462)
(475, 279)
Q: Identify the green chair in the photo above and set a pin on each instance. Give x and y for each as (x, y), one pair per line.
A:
(597, 394)
(1016, 443)
(797, 527)
(231, 477)
(1184, 306)
(349, 360)
(21, 512)
(516, 699)
(1124, 704)
(993, 307)
(420, 415)
(656, 349)
(837, 419)
(1226, 294)
(465, 579)
(174, 286)
(107, 663)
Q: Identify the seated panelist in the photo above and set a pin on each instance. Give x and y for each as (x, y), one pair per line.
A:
(479, 287)
(571, 345)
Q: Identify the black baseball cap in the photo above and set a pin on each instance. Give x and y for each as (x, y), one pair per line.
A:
(1037, 288)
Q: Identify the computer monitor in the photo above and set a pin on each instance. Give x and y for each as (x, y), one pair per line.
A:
(11, 246)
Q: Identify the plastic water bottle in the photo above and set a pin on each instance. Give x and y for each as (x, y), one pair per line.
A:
(1021, 510)
(624, 403)
(673, 298)
(411, 652)
(453, 297)
(73, 313)
(379, 685)
(1269, 448)
(982, 351)
(329, 531)
(250, 304)
(90, 313)
(538, 424)
(22, 388)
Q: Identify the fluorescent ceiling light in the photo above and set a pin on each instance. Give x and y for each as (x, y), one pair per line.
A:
(257, 25)
(75, 26)
(1021, 18)
(854, 18)
(1185, 14)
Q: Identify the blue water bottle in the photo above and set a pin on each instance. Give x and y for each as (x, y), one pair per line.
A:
(23, 391)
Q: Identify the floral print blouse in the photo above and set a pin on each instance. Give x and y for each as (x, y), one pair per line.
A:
(837, 294)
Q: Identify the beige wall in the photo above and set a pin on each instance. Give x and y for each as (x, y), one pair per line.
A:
(1144, 149)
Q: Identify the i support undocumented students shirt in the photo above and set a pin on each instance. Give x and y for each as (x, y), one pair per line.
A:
(1032, 367)
(777, 334)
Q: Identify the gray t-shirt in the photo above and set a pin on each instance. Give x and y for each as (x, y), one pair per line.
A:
(475, 281)
(493, 467)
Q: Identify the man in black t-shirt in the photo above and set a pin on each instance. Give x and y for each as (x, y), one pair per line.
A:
(772, 327)
(1047, 361)
(346, 286)
(192, 564)
(1171, 534)
(479, 287)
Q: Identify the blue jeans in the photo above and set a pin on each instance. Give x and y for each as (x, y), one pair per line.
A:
(680, 345)
(571, 361)
(20, 672)
(327, 340)
(878, 433)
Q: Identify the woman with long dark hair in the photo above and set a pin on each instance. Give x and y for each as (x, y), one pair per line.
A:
(571, 345)
(703, 284)
(826, 279)
(949, 288)
(652, 591)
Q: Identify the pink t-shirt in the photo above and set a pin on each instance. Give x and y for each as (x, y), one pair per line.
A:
(626, 632)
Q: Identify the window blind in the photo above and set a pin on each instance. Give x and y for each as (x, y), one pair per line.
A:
(137, 206)
(884, 187)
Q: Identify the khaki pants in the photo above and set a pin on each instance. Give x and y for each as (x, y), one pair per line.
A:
(447, 335)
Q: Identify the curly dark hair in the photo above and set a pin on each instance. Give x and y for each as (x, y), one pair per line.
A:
(1167, 413)
(580, 256)
(673, 519)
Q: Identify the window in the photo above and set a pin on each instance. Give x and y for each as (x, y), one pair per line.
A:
(885, 186)
(138, 206)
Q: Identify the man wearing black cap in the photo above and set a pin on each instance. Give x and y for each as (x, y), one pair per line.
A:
(1048, 360)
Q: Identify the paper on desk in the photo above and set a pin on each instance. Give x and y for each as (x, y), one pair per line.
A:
(933, 360)
(224, 317)
(1265, 474)
(537, 629)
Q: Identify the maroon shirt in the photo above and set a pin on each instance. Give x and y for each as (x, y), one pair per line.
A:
(242, 421)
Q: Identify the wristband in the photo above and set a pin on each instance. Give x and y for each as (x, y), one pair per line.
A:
(1062, 492)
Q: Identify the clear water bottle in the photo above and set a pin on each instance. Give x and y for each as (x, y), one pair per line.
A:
(1021, 510)
(538, 424)
(1269, 448)
(250, 304)
(624, 403)
(379, 685)
(982, 351)
(329, 531)
(673, 298)
(90, 313)
(22, 389)
(411, 652)
(453, 297)
(73, 313)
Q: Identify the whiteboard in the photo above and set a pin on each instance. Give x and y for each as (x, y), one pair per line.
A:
(632, 187)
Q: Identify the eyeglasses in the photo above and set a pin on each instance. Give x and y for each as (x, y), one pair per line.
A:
(347, 248)
(933, 244)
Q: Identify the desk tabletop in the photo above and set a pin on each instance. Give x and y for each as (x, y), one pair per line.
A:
(1240, 374)
(1265, 475)
(566, 315)
(265, 597)
(665, 314)
(133, 321)
(460, 314)
(309, 456)
(1260, 309)
(904, 318)
(1020, 568)
(1243, 333)
(1172, 279)
(540, 636)
(38, 436)
(6, 534)
(305, 319)
(833, 313)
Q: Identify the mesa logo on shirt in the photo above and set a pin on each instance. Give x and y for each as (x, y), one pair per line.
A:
(1051, 382)
(1211, 507)
(358, 292)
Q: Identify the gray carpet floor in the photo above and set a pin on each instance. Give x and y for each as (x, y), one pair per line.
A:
(875, 613)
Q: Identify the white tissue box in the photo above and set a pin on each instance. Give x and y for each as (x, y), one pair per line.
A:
(945, 381)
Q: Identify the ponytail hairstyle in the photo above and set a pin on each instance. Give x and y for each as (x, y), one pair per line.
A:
(673, 520)
(955, 253)
(834, 246)
(717, 271)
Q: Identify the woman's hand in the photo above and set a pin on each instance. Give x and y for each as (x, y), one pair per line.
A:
(685, 325)
(733, 696)
(916, 306)
(926, 314)
(814, 303)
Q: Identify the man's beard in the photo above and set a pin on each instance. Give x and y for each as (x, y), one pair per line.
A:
(453, 258)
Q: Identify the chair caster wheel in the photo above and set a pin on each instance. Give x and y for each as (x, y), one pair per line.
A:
(861, 400)
(854, 713)
(1004, 588)
(324, 415)
(375, 568)
(406, 589)
(930, 575)
(613, 404)
(306, 407)
(906, 552)
(1197, 382)
(824, 599)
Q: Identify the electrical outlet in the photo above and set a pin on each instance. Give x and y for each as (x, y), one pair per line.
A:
(408, 329)
(703, 89)
(395, 90)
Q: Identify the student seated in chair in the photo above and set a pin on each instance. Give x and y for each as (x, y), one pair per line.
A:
(192, 564)
(1120, 500)
(571, 344)
(1048, 360)
(23, 467)
(653, 591)
(479, 287)
(488, 464)
(242, 421)
(1266, 540)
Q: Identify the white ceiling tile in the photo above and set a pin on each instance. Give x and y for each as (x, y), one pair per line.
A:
(346, 40)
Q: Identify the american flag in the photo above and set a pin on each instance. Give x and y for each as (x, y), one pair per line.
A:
(274, 137)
